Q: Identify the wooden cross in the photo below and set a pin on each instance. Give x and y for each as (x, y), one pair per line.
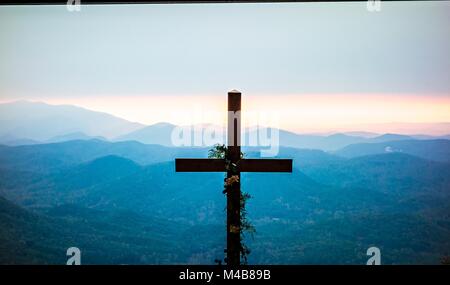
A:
(233, 191)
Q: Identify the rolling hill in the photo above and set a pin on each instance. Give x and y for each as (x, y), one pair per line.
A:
(104, 237)
(393, 173)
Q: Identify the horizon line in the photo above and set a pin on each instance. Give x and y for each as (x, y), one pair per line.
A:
(328, 130)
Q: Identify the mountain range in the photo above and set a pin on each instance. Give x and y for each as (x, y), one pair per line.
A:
(121, 206)
(111, 189)
(26, 123)
(41, 122)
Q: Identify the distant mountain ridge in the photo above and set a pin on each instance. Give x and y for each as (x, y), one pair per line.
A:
(26, 123)
(40, 121)
(73, 136)
(161, 134)
(437, 150)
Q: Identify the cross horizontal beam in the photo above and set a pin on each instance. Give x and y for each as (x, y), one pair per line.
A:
(244, 165)
(265, 165)
(199, 165)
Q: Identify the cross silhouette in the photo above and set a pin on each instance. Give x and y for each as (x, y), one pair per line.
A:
(233, 191)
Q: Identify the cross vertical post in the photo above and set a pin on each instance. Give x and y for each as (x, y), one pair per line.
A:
(234, 190)
(233, 165)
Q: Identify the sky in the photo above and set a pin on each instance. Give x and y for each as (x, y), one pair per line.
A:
(320, 66)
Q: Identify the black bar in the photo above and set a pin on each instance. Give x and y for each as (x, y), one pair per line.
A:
(279, 274)
(96, 2)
